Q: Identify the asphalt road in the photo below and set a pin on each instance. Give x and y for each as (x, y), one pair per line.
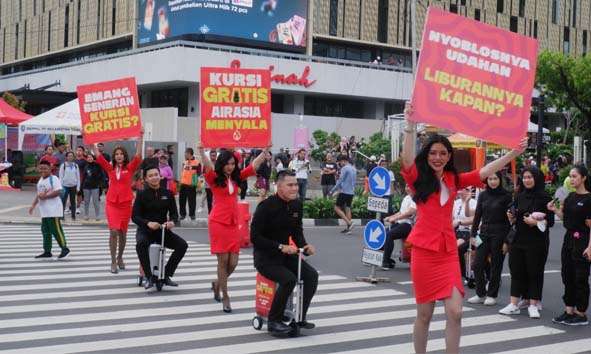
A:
(77, 306)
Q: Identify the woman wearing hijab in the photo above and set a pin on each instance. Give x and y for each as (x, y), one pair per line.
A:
(529, 249)
(490, 219)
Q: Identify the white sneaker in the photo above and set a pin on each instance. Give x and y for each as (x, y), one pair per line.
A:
(510, 310)
(78, 212)
(476, 300)
(524, 303)
(199, 210)
(67, 212)
(533, 311)
(490, 301)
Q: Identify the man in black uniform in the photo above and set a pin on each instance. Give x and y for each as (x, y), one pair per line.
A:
(274, 221)
(150, 210)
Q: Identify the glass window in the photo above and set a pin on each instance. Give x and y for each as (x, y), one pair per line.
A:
(574, 13)
(513, 24)
(383, 21)
(554, 11)
(500, 6)
(477, 14)
(178, 98)
(453, 8)
(333, 17)
(333, 107)
(521, 8)
(566, 42)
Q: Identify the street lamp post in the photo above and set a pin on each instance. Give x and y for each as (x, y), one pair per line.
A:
(540, 141)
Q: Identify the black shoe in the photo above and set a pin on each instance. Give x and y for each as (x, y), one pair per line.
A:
(278, 328)
(387, 265)
(306, 325)
(562, 318)
(576, 320)
(44, 255)
(148, 283)
(345, 230)
(65, 253)
(169, 282)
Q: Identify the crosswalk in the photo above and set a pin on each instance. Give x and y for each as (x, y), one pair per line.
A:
(76, 305)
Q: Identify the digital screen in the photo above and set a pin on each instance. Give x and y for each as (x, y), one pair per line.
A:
(280, 23)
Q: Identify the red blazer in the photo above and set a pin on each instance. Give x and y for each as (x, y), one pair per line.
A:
(434, 221)
(225, 205)
(119, 190)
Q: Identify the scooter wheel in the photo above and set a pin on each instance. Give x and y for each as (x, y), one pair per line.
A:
(159, 285)
(257, 323)
(140, 280)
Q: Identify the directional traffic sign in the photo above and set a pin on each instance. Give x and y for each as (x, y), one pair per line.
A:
(374, 235)
(379, 181)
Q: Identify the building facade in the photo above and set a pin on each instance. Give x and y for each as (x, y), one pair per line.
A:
(356, 64)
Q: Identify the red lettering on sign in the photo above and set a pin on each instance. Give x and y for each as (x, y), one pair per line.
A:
(290, 79)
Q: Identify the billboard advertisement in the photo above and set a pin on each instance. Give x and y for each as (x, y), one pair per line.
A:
(269, 23)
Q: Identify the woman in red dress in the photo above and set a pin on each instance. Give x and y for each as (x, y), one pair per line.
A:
(224, 236)
(435, 270)
(119, 197)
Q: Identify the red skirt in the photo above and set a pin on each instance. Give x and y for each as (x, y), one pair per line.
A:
(435, 273)
(223, 238)
(118, 215)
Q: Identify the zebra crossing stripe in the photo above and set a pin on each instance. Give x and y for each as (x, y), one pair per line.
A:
(105, 261)
(140, 315)
(131, 279)
(172, 297)
(133, 290)
(469, 340)
(336, 337)
(104, 256)
(568, 347)
(237, 319)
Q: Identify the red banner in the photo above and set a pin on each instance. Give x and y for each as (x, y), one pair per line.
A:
(109, 110)
(235, 107)
(474, 78)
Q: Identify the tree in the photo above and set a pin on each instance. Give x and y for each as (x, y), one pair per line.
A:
(13, 101)
(567, 81)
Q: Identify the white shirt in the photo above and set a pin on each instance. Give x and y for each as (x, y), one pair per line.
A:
(392, 179)
(407, 204)
(300, 168)
(459, 212)
(50, 208)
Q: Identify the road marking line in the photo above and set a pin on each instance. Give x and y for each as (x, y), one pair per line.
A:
(17, 207)
(545, 272)
(138, 314)
(568, 347)
(338, 337)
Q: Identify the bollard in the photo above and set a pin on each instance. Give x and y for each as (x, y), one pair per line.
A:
(244, 226)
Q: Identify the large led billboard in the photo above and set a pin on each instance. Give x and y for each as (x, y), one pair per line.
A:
(274, 23)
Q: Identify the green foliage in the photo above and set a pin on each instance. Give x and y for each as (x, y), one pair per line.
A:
(564, 173)
(376, 145)
(320, 208)
(359, 208)
(325, 143)
(13, 101)
(551, 188)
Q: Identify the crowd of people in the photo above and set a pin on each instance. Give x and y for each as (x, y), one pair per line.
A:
(465, 211)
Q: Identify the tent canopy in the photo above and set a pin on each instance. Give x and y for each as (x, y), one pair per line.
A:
(64, 119)
(11, 115)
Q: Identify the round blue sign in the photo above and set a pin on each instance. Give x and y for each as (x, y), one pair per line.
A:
(374, 235)
(379, 181)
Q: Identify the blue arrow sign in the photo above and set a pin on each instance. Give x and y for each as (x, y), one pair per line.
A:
(374, 235)
(379, 181)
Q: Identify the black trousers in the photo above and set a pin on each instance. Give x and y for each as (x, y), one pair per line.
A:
(493, 246)
(70, 194)
(575, 276)
(462, 249)
(243, 189)
(209, 196)
(526, 265)
(187, 193)
(171, 241)
(397, 231)
(286, 276)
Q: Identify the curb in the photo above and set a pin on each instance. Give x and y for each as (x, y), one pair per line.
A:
(200, 222)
